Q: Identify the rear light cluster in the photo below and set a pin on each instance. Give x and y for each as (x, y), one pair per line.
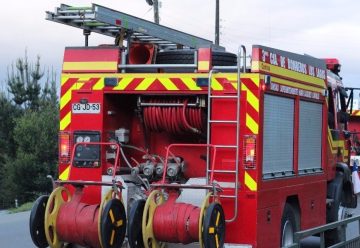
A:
(249, 149)
(64, 147)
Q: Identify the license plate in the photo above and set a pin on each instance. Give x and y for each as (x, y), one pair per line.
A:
(86, 108)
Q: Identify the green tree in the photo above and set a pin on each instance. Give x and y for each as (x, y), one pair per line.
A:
(31, 122)
(24, 82)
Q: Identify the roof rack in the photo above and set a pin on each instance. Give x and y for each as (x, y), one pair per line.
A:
(110, 22)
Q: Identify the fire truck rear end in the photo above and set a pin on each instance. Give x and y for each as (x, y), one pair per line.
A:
(166, 138)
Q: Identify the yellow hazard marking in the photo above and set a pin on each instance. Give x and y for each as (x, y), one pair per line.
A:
(211, 230)
(204, 65)
(217, 241)
(215, 85)
(65, 174)
(119, 223)
(251, 124)
(112, 237)
(217, 219)
(65, 99)
(82, 66)
(190, 83)
(112, 216)
(64, 80)
(258, 65)
(99, 85)
(250, 182)
(124, 82)
(251, 98)
(145, 84)
(168, 84)
(64, 122)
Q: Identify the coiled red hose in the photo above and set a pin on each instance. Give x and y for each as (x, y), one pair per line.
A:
(173, 119)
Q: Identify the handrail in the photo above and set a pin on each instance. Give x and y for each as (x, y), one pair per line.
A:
(298, 236)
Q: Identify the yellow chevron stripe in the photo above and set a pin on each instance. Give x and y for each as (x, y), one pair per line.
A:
(124, 82)
(65, 99)
(64, 123)
(251, 124)
(145, 84)
(168, 84)
(250, 182)
(65, 174)
(190, 83)
(215, 85)
(82, 66)
(99, 85)
(251, 98)
(64, 80)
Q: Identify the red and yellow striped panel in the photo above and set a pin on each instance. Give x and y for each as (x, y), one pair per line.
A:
(338, 145)
(101, 59)
(355, 113)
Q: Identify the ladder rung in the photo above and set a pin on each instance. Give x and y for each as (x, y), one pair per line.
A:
(226, 146)
(227, 196)
(224, 97)
(224, 121)
(223, 171)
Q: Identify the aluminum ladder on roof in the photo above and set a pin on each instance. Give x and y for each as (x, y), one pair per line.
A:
(236, 122)
(110, 22)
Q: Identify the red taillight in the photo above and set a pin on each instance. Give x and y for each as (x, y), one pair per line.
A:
(64, 147)
(249, 151)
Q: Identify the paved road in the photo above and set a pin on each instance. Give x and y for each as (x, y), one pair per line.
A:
(14, 231)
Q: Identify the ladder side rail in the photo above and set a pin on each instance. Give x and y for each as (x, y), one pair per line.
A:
(241, 52)
(110, 16)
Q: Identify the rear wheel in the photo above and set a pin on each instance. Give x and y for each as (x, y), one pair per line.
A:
(289, 225)
(336, 211)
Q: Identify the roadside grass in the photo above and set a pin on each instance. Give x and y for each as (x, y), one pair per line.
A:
(24, 207)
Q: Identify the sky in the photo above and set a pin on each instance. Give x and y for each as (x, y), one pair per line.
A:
(321, 28)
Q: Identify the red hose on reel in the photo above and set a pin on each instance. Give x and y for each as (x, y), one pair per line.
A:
(173, 119)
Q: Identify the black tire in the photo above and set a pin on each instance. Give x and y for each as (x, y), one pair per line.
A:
(187, 57)
(113, 222)
(335, 192)
(289, 225)
(135, 236)
(213, 233)
(36, 223)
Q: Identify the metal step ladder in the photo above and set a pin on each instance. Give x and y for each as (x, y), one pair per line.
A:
(236, 122)
(112, 23)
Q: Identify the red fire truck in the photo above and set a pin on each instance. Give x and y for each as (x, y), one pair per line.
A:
(166, 138)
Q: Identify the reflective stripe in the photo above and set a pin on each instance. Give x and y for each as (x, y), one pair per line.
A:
(65, 174)
(251, 124)
(145, 84)
(215, 85)
(123, 83)
(65, 99)
(99, 85)
(190, 83)
(251, 98)
(65, 122)
(250, 182)
(168, 84)
(90, 66)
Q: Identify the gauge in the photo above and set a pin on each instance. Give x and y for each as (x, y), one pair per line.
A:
(87, 139)
(79, 139)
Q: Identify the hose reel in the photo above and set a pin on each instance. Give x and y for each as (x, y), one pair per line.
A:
(68, 220)
(170, 221)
